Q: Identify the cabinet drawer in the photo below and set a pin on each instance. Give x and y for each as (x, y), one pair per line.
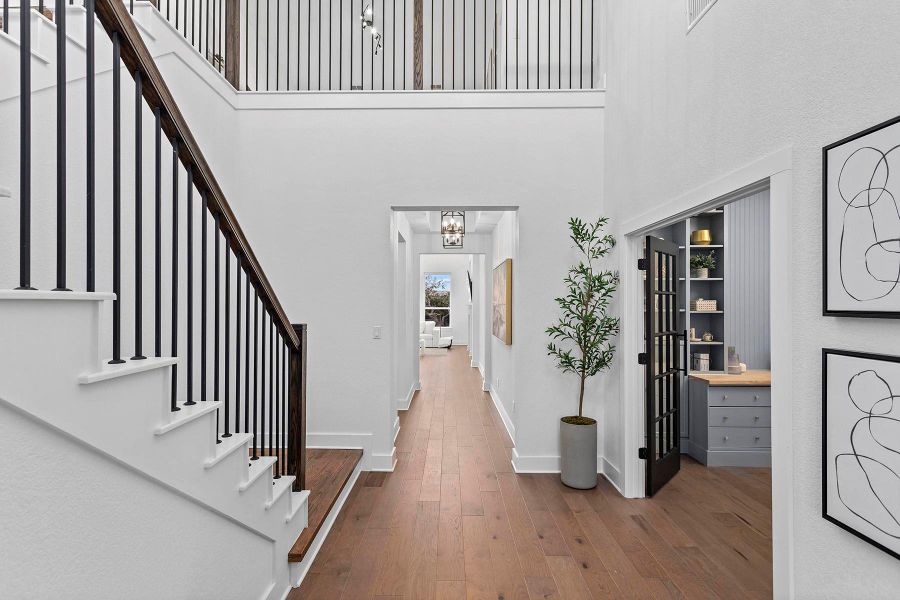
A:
(739, 396)
(739, 438)
(739, 416)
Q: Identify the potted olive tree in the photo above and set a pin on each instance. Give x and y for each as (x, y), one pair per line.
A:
(582, 343)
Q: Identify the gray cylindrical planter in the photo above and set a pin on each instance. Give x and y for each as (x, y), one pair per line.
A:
(700, 273)
(578, 449)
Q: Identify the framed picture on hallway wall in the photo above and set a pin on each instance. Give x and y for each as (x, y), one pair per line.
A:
(861, 445)
(501, 322)
(861, 224)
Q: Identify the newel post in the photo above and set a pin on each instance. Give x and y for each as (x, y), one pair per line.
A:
(233, 43)
(297, 411)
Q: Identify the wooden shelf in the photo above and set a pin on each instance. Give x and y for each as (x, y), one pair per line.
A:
(703, 279)
(702, 343)
(707, 312)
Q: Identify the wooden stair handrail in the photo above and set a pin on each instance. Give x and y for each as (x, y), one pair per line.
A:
(115, 18)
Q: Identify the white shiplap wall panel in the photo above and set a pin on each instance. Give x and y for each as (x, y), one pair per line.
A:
(747, 282)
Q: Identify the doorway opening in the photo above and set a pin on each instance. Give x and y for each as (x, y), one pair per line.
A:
(706, 364)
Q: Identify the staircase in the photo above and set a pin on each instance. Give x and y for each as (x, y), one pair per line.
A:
(152, 388)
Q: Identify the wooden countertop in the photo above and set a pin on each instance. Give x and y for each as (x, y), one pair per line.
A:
(753, 378)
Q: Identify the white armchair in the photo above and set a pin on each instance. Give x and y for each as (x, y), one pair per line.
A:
(435, 337)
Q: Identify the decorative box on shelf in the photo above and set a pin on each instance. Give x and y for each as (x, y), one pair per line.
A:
(700, 361)
(701, 305)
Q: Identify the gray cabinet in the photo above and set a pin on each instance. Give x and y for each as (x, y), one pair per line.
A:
(730, 425)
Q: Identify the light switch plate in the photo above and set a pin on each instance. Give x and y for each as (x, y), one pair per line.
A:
(376, 332)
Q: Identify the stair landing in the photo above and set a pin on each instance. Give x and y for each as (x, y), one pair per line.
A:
(327, 472)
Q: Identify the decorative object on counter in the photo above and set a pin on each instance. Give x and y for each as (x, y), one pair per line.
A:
(708, 337)
(861, 442)
(700, 361)
(701, 264)
(692, 335)
(734, 362)
(861, 271)
(588, 331)
(743, 367)
(703, 305)
(701, 237)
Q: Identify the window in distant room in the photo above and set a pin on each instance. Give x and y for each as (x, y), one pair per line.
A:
(437, 298)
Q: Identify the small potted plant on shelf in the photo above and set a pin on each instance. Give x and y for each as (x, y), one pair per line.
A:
(702, 263)
(582, 344)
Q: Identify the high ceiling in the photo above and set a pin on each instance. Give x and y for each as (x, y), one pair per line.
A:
(477, 221)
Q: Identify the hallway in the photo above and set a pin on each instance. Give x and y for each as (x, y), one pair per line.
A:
(454, 522)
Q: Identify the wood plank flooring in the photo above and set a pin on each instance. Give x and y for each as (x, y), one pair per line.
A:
(327, 472)
(453, 522)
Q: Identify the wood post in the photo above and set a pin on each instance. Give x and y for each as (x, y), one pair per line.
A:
(418, 43)
(297, 412)
(233, 43)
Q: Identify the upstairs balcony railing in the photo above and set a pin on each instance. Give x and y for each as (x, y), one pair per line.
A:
(140, 213)
(311, 45)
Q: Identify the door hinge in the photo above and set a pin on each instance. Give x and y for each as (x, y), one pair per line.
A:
(642, 358)
(642, 453)
(642, 264)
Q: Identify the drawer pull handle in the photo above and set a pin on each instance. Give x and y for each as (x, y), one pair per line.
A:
(756, 438)
(724, 396)
(756, 418)
(756, 396)
(724, 418)
(724, 438)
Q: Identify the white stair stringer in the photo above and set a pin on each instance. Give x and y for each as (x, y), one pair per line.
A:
(123, 412)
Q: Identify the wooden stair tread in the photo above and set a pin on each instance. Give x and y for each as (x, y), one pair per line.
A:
(327, 472)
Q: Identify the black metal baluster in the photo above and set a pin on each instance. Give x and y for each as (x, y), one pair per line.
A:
(592, 44)
(432, 44)
(518, 6)
(262, 386)
(308, 48)
(559, 50)
(506, 41)
(217, 331)
(268, 39)
(527, 44)
(5, 16)
(453, 45)
(25, 149)
(319, 46)
(271, 385)
(278, 45)
(256, 73)
(287, 50)
(284, 410)
(350, 35)
(237, 350)
(341, 44)
(175, 271)
(330, 36)
(117, 198)
(299, 46)
(255, 374)
(393, 47)
(484, 49)
(464, 44)
(61, 179)
(157, 292)
(570, 44)
(190, 287)
(279, 418)
(443, 70)
(404, 43)
(204, 280)
(581, 46)
(227, 383)
(247, 352)
(138, 217)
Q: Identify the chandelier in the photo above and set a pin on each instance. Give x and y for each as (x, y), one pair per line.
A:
(453, 222)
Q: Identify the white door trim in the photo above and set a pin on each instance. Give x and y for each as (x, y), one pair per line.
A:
(773, 170)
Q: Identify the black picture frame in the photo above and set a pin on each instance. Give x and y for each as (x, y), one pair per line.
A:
(826, 352)
(826, 310)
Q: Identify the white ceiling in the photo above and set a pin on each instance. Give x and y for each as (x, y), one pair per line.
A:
(477, 221)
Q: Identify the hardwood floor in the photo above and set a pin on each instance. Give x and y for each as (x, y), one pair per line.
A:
(327, 472)
(454, 522)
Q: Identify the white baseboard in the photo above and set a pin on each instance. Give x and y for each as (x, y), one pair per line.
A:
(550, 464)
(504, 416)
(383, 462)
(611, 473)
(299, 570)
(371, 461)
(404, 403)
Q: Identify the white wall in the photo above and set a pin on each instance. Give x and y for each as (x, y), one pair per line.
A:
(456, 265)
(504, 245)
(750, 79)
(87, 527)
